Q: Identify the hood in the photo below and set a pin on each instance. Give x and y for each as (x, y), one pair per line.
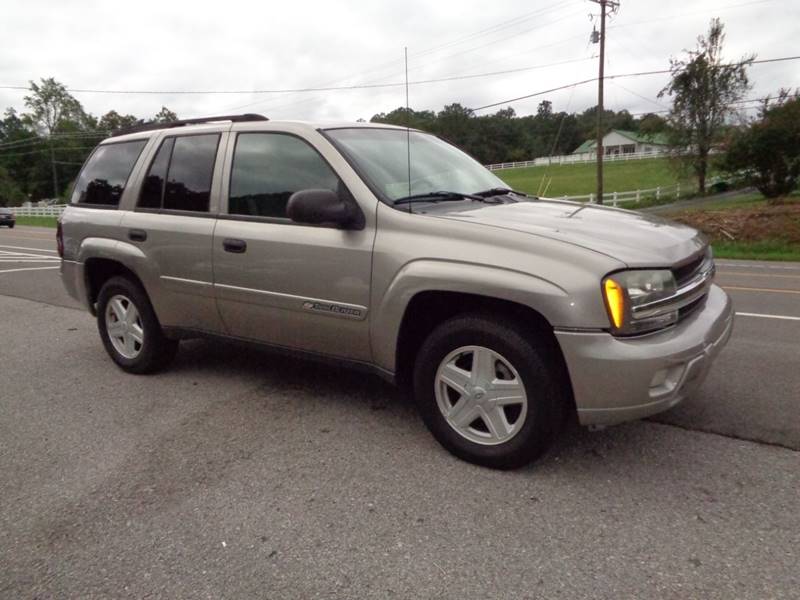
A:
(637, 239)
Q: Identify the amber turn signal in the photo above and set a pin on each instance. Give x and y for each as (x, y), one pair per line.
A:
(615, 301)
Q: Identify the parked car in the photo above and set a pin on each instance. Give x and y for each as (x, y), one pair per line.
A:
(7, 218)
(503, 314)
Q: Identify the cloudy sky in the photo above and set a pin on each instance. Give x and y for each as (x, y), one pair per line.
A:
(170, 46)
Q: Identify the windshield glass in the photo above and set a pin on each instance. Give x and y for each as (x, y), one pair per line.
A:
(382, 157)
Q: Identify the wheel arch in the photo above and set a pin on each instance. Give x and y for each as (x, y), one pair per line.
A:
(98, 270)
(103, 258)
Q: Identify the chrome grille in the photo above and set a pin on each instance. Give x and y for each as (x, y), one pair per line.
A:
(693, 281)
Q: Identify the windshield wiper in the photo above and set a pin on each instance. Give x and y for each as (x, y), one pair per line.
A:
(499, 191)
(438, 196)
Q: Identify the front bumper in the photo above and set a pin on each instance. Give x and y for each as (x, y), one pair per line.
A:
(618, 379)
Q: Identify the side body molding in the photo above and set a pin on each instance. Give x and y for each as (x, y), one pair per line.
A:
(427, 275)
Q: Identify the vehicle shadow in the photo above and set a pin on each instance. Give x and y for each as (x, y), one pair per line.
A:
(288, 373)
(626, 451)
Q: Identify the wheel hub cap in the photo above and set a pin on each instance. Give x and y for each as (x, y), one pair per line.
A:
(481, 395)
(124, 326)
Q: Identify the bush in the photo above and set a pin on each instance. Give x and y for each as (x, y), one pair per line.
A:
(769, 149)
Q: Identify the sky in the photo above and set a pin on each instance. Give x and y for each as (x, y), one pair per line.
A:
(169, 46)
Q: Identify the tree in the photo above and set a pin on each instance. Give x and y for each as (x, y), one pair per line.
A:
(113, 121)
(165, 115)
(768, 151)
(704, 90)
(403, 117)
(10, 194)
(50, 104)
(652, 123)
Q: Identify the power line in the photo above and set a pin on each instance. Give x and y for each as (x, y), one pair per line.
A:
(619, 76)
(433, 49)
(34, 140)
(689, 14)
(323, 89)
(29, 152)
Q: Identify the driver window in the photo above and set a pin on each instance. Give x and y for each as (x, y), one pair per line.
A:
(270, 167)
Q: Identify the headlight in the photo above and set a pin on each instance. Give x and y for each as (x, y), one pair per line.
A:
(627, 291)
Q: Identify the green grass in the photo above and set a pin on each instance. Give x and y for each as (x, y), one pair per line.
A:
(760, 250)
(580, 179)
(37, 221)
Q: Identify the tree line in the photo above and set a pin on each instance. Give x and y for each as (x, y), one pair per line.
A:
(506, 137)
(42, 149)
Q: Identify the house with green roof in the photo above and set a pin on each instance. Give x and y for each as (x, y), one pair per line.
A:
(620, 141)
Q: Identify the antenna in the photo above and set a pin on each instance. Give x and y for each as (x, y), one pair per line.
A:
(408, 131)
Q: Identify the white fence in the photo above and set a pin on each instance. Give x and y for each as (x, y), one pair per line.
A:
(52, 210)
(671, 192)
(571, 159)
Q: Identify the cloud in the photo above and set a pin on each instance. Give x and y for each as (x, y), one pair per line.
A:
(149, 45)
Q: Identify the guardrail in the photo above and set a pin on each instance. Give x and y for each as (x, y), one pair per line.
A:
(572, 159)
(51, 210)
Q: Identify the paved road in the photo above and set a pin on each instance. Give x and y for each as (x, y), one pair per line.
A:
(239, 474)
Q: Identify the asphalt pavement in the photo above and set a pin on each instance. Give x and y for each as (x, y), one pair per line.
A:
(239, 474)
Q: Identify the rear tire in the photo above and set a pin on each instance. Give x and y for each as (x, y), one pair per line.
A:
(129, 328)
(490, 368)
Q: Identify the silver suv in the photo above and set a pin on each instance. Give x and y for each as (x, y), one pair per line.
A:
(392, 251)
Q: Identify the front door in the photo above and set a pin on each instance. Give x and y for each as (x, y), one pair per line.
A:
(276, 281)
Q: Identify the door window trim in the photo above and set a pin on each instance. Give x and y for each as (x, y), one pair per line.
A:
(228, 216)
(116, 206)
(174, 211)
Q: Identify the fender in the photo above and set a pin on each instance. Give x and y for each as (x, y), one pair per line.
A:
(126, 254)
(426, 275)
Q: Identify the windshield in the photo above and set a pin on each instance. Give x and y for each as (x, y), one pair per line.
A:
(381, 155)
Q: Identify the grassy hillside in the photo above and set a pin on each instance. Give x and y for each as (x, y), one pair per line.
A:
(573, 180)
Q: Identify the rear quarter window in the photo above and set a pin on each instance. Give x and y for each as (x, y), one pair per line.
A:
(105, 175)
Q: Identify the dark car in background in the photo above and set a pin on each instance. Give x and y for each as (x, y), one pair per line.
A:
(7, 217)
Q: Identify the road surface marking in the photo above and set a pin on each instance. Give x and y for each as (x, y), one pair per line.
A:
(749, 289)
(746, 314)
(760, 266)
(24, 248)
(27, 269)
(759, 274)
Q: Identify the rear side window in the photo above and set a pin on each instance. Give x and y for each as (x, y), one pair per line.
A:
(179, 178)
(270, 167)
(152, 195)
(103, 179)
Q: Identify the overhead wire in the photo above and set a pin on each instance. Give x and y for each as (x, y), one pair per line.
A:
(618, 76)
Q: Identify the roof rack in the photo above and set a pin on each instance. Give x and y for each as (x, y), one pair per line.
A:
(180, 123)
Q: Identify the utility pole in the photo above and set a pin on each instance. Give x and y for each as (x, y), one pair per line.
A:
(602, 39)
(53, 166)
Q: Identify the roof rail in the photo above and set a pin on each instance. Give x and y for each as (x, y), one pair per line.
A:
(180, 123)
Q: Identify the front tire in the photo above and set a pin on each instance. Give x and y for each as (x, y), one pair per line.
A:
(130, 331)
(489, 392)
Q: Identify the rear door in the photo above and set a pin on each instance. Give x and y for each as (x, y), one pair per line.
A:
(173, 225)
(297, 286)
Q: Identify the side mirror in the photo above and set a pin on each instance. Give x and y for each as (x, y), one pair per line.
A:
(317, 207)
